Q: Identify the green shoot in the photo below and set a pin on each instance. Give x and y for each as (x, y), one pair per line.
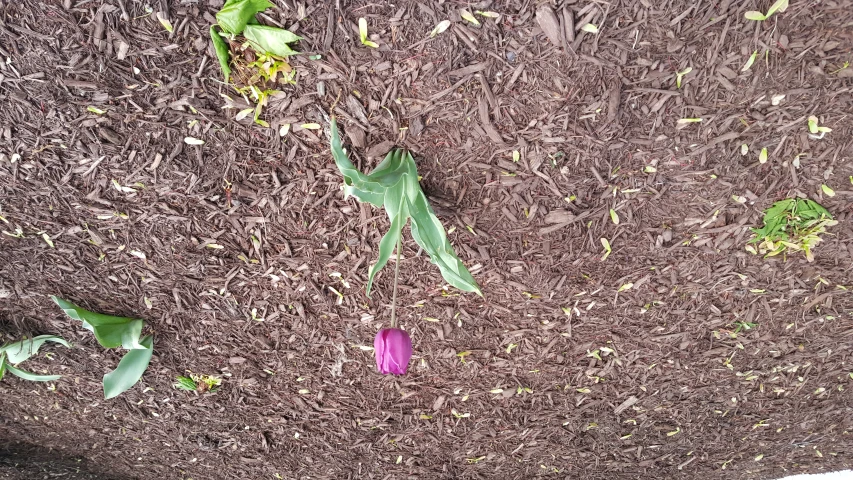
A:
(750, 61)
(826, 190)
(793, 224)
(114, 332)
(607, 249)
(814, 129)
(779, 6)
(440, 28)
(362, 34)
(466, 15)
(198, 383)
(393, 184)
(762, 157)
(590, 28)
(14, 353)
(680, 75)
(843, 67)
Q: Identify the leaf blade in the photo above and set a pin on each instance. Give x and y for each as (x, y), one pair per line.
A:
(272, 40)
(21, 351)
(110, 331)
(235, 15)
(31, 376)
(223, 53)
(129, 369)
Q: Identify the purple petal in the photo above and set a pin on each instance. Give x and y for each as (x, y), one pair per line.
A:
(393, 348)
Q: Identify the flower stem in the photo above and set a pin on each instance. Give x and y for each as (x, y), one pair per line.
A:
(396, 277)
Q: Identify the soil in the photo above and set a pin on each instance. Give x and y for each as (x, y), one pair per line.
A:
(637, 365)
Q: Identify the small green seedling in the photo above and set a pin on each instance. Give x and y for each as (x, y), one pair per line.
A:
(362, 34)
(114, 332)
(743, 326)
(393, 184)
(750, 61)
(779, 6)
(816, 131)
(256, 54)
(466, 15)
(680, 75)
(590, 28)
(793, 224)
(198, 383)
(14, 353)
(762, 156)
(440, 28)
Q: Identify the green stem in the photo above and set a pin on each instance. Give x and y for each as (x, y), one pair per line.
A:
(396, 277)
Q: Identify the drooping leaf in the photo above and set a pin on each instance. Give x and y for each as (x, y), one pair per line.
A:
(234, 15)
(392, 236)
(394, 185)
(272, 40)
(223, 53)
(110, 331)
(129, 370)
(31, 376)
(21, 351)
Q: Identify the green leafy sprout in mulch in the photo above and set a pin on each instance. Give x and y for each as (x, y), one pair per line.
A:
(254, 56)
(793, 224)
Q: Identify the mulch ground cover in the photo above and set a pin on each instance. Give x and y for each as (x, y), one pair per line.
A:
(679, 355)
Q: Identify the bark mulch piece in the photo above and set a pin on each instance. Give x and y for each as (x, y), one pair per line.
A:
(637, 366)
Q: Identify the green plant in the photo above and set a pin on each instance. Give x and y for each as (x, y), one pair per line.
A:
(114, 332)
(198, 383)
(680, 75)
(393, 184)
(15, 353)
(779, 6)
(792, 224)
(362, 34)
(260, 58)
(814, 129)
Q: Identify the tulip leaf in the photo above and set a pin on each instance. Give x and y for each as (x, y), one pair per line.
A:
(129, 370)
(223, 53)
(21, 351)
(31, 376)
(113, 332)
(2, 364)
(393, 184)
(110, 331)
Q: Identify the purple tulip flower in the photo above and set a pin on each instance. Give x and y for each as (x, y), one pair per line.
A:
(393, 351)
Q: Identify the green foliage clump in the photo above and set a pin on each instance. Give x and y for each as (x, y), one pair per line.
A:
(393, 184)
(114, 332)
(793, 224)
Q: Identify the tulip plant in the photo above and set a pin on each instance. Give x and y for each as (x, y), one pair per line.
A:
(393, 184)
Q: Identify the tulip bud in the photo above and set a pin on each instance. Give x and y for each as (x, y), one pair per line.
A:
(393, 350)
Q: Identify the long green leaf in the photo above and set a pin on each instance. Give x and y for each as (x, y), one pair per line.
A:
(270, 39)
(129, 370)
(390, 239)
(31, 376)
(110, 331)
(21, 351)
(223, 53)
(430, 235)
(2, 364)
(366, 190)
(234, 15)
